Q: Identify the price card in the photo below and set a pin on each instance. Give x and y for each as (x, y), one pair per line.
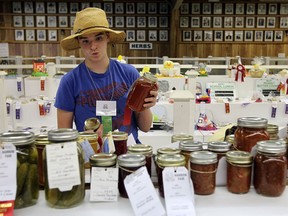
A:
(142, 194)
(178, 190)
(104, 184)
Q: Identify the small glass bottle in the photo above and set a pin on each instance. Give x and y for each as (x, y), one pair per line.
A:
(128, 163)
(187, 147)
(270, 168)
(239, 169)
(120, 141)
(220, 148)
(203, 165)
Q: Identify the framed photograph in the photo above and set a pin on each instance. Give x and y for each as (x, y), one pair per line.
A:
(238, 36)
(108, 7)
(62, 7)
(261, 22)
(217, 8)
(187, 35)
(239, 8)
(184, 8)
(29, 21)
(130, 22)
(228, 22)
(250, 8)
(130, 8)
(51, 21)
(30, 35)
(229, 8)
(184, 22)
(271, 22)
(195, 8)
(17, 21)
(163, 22)
(152, 22)
(130, 35)
(258, 36)
(109, 19)
(152, 35)
(19, 35)
(283, 22)
(51, 7)
(250, 22)
(261, 8)
(206, 8)
(40, 21)
(41, 35)
(52, 35)
(283, 9)
(141, 36)
(97, 5)
(228, 36)
(239, 22)
(39, 7)
(208, 35)
(119, 21)
(72, 20)
(248, 35)
(217, 22)
(218, 35)
(198, 35)
(141, 22)
(152, 8)
(74, 7)
(268, 36)
(16, 7)
(28, 7)
(141, 8)
(85, 5)
(195, 22)
(163, 35)
(206, 22)
(63, 21)
(163, 8)
(119, 8)
(272, 8)
(278, 36)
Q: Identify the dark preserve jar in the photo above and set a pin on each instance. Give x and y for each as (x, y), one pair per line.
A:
(140, 90)
(239, 169)
(203, 165)
(249, 131)
(120, 141)
(128, 163)
(270, 168)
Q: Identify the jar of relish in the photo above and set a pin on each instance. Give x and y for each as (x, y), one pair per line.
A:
(186, 147)
(120, 141)
(270, 168)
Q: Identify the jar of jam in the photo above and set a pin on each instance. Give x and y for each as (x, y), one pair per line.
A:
(181, 137)
(273, 131)
(166, 160)
(145, 150)
(66, 198)
(186, 147)
(168, 150)
(249, 131)
(203, 165)
(220, 148)
(92, 124)
(270, 168)
(128, 163)
(103, 160)
(239, 169)
(140, 90)
(27, 167)
(120, 141)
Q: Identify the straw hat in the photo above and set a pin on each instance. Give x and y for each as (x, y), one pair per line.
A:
(87, 21)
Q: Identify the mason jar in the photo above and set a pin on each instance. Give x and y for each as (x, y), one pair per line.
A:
(273, 131)
(120, 141)
(103, 160)
(181, 137)
(187, 147)
(27, 167)
(220, 148)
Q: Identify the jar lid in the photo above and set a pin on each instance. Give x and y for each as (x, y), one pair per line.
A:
(166, 150)
(271, 146)
(252, 122)
(150, 77)
(239, 157)
(119, 135)
(230, 138)
(62, 134)
(219, 146)
(92, 124)
(271, 128)
(203, 157)
(18, 138)
(131, 160)
(190, 145)
(88, 135)
(103, 159)
(140, 149)
(181, 137)
(41, 139)
(167, 160)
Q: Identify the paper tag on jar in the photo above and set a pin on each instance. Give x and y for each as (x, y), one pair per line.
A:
(179, 192)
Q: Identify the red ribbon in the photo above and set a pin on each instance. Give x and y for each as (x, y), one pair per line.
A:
(240, 69)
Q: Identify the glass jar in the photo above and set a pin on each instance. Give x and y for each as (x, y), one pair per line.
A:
(120, 141)
(186, 147)
(249, 131)
(92, 124)
(140, 90)
(145, 150)
(220, 148)
(270, 168)
(181, 137)
(273, 131)
(103, 160)
(167, 150)
(239, 169)
(203, 165)
(74, 196)
(166, 160)
(128, 163)
(27, 167)
(230, 139)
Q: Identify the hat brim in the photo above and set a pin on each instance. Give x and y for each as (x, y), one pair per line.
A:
(71, 43)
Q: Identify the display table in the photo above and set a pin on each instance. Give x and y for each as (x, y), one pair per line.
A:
(220, 203)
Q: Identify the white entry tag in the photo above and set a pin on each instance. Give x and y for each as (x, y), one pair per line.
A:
(106, 108)
(142, 194)
(178, 191)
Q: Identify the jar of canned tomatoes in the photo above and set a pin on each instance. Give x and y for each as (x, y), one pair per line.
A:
(187, 147)
(270, 168)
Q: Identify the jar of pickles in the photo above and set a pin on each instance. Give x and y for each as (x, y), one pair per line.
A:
(239, 169)
(203, 166)
(187, 147)
(220, 148)
(270, 168)
(27, 167)
(249, 131)
(128, 163)
(120, 141)
(64, 151)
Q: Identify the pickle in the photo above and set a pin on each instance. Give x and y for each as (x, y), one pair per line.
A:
(19, 202)
(70, 198)
(52, 196)
(33, 156)
(23, 155)
(22, 172)
(31, 190)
